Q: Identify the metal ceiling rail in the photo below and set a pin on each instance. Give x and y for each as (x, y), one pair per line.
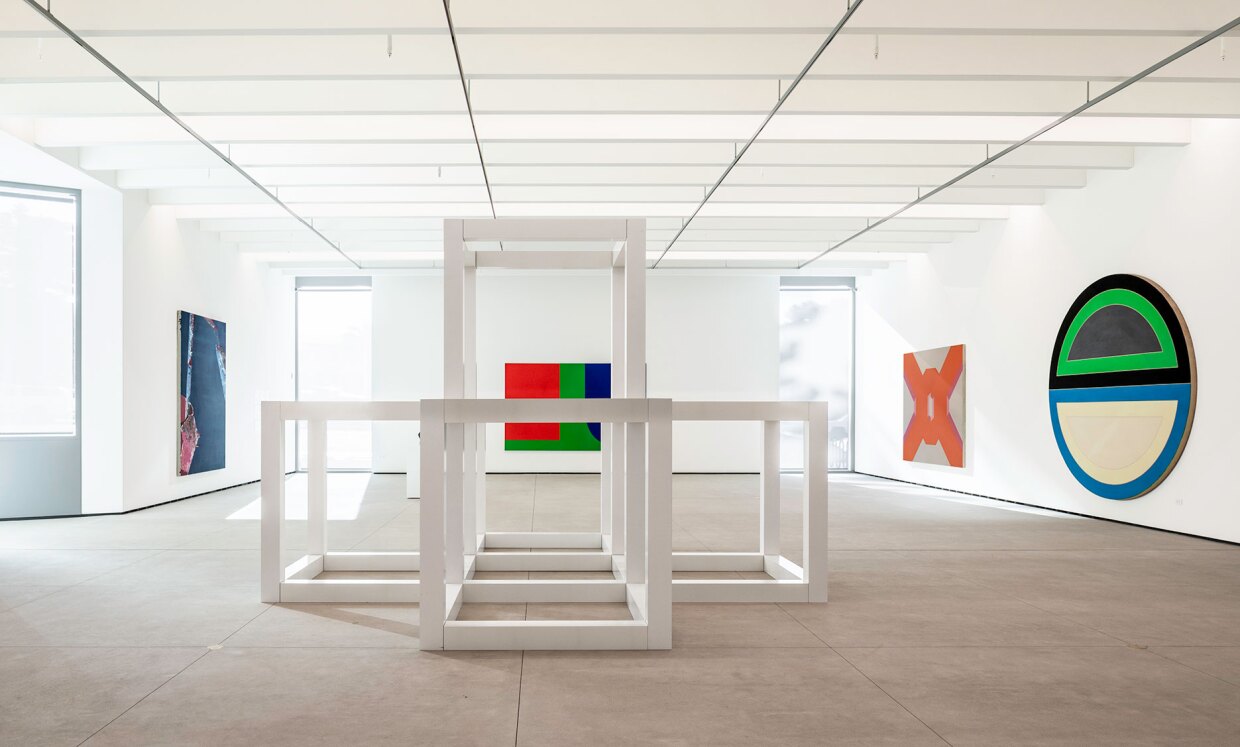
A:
(1220, 31)
(852, 8)
(469, 107)
(47, 14)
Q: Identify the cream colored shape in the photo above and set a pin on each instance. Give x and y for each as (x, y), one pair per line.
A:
(1116, 442)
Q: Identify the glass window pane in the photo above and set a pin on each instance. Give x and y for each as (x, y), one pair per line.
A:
(38, 256)
(333, 363)
(816, 363)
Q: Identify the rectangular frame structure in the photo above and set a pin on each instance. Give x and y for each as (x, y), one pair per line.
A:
(298, 582)
(789, 582)
(622, 252)
(642, 575)
(454, 553)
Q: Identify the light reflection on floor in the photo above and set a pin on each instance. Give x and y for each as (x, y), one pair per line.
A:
(345, 493)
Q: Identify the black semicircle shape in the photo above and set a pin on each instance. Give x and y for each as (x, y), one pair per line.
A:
(1114, 330)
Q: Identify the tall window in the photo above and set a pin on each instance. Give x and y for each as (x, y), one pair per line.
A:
(38, 311)
(333, 362)
(816, 363)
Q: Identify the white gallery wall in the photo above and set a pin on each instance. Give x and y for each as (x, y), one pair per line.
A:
(708, 337)
(171, 266)
(1003, 293)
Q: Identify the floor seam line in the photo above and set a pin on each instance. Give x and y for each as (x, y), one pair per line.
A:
(863, 674)
(1065, 618)
(889, 695)
(245, 624)
(84, 581)
(1150, 650)
(516, 732)
(141, 700)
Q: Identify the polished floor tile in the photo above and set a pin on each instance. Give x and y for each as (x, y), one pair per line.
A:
(331, 626)
(60, 696)
(248, 696)
(937, 615)
(1055, 696)
(708, 696)
(951, 620)
(1217, 661)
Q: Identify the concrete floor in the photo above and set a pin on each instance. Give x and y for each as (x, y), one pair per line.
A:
(952, 620)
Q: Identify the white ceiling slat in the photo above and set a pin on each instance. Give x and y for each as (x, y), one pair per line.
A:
(241, 16)
(694, 237)
(500, 155)
(992, 56)
(567, 56)
(1097, 17)
(737, 96)
(63, 131)
(363, 153)
(370, 235)
(302, 175)
(318, 211)
(77, 131)
(239, 57)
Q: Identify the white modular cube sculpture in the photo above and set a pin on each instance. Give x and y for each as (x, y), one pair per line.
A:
(633, 541)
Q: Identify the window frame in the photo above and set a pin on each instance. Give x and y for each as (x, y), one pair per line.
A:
(317, 284)
(796, 284)
(74, 196)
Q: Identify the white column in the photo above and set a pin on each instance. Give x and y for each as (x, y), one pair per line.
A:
(454, 359)
(635, 310)
(769, 488)
(454, 474)
(814, 506)
(469, 350)
(634, 255)
(316, 487)
(615, 444)
(453, 310)
(605, 478)
(635, 503)
(431, 531)
(659, 526)
(480, 512)
(272, 561)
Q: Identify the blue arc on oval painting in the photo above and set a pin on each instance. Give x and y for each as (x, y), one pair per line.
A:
(201, 406)
(1122, 387)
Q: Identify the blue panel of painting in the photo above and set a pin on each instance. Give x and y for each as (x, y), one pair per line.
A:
(598, 386)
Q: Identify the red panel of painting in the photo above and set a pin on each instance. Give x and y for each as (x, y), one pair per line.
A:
(531, 431)
(532, 381)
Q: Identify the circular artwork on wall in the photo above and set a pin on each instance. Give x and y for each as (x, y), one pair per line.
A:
(1123, 387)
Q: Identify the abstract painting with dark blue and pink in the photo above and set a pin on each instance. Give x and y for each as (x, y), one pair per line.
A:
(201, 404)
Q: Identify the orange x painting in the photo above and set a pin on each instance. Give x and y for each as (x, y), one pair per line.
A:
(934, 406)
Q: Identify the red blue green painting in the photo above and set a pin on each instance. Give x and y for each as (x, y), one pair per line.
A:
(555, 381)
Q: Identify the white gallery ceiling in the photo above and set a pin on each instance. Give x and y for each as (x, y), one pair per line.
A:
(352, 114)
